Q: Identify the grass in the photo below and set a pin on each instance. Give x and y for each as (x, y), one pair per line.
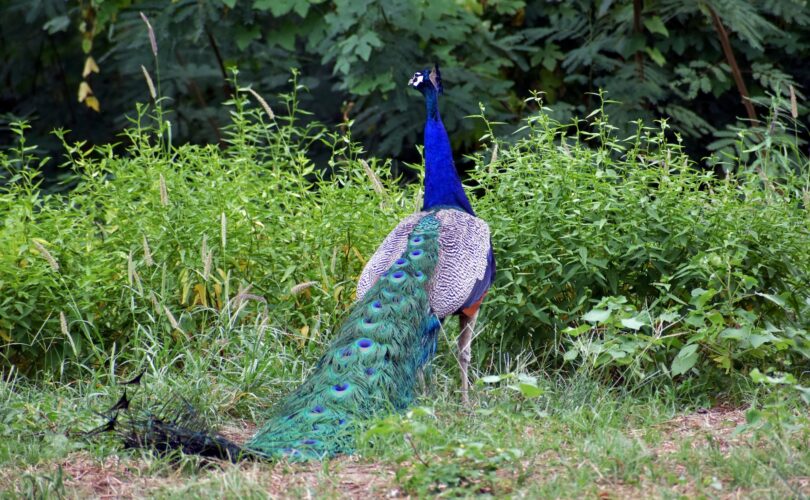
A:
(536, 435)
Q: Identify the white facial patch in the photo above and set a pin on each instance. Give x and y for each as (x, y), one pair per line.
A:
(416, 79)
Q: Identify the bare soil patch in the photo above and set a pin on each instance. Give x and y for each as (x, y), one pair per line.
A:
(705, 427)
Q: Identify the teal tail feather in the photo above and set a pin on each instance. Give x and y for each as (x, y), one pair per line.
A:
(370, 367)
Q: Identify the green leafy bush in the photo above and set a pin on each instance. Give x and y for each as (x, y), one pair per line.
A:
(164, 238)
(630, 259)
(612, 253)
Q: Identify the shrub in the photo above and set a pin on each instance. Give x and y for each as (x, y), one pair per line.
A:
(631, 259)
(166, 238)
(612, 253)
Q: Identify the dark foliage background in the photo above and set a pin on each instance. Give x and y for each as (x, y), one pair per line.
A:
(690, 61)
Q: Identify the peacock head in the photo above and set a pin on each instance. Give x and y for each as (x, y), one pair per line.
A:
(427, 80)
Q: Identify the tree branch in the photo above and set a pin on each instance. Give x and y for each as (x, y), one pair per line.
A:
(638, 6)
(218, 54)
(735, 68)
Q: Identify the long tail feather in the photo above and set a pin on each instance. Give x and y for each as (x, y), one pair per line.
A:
(175, 426)
(122, 404)
(107, 426)
(136, 380)
(178, 426)
(369, 368)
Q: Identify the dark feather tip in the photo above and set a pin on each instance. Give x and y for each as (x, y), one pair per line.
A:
(136, 380)
(109, 426)
(122, 404)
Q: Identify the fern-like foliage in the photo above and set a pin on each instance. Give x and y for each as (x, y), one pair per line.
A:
(657, 58)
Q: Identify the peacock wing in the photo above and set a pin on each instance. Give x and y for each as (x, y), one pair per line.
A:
(465, 269)
(389, 251)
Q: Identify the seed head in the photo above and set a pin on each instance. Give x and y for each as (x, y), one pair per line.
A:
(63, 324)
(46, 255)
(164, 192)
(152, 40)
(149, 83)
(263, 103)
(300, 287)
(376, 183)
(172, 321)
(223, 229)
(147, 252)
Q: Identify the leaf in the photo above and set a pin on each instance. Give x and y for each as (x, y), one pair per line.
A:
(656, 25)
(84, 91)
(570, 355)
(604, 7)
(422, 411)
(243, 36)
(491, 379)
(668, 317)
(700, 297)
(93, 103)
(284, 36)
(656, 55)
(779, 301)
(530, 390)
(804, 392)
(757, 340)
(90, 66)
(760, 378)
(596, 315)
(278, 7)
(577, 331)
(263, 4)
(735, 333)
(365, 43)
(57, 24)
(632, 323)
(229, 3)
(685, 360)
(302, 7)
(200, 295)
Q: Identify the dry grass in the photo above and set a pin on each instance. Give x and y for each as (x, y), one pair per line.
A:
(705, 427)
(109, 478)
(113, 477)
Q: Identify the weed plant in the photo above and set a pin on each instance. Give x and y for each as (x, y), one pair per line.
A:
(621, 255)
(614, 253)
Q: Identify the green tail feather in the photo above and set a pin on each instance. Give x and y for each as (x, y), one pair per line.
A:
(370, 367)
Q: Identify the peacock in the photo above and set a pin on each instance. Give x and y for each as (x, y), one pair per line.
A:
(436, 263)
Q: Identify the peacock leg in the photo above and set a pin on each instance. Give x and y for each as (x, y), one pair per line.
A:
(467, 327)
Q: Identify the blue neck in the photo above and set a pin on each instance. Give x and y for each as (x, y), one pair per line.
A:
(442, 184)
